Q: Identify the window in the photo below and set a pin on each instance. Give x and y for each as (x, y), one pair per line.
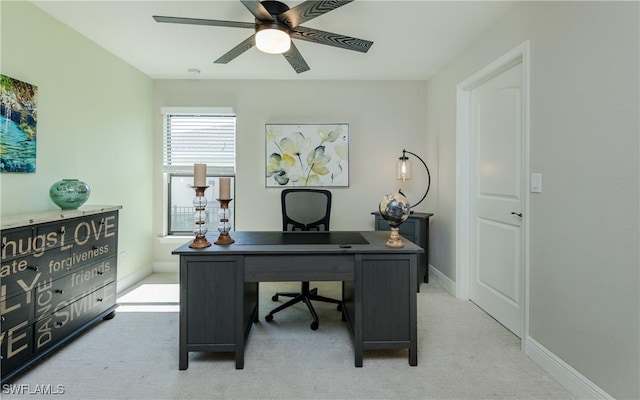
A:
(193, 136)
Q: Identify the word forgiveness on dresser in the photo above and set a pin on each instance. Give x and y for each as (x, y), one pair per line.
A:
(55, 278)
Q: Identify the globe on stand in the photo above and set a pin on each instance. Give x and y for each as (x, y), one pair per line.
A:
(395, 209)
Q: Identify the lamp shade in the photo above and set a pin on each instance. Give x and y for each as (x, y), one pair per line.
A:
(273, 39)
(403, 168)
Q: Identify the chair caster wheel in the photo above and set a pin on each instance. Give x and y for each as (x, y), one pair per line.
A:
(268, 317)
(274, 297)
(314, 325)
(339, 307)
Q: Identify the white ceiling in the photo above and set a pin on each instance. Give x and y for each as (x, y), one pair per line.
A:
(412, 39)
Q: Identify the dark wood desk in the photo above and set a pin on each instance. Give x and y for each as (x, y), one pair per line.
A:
(219, 287)
(415, 229)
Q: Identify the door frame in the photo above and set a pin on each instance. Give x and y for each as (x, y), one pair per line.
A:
(463, 178)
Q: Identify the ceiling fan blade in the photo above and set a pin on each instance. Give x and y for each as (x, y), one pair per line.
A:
(236, 51)
(308, 10)
(258, 10)
(331, 39)
(198, 21)
(295, 59)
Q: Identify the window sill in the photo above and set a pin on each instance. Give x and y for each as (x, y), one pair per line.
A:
(173, 239)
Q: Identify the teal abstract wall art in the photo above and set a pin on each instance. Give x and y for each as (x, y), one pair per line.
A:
(18, 121)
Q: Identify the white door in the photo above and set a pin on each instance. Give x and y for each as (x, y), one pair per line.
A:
(496, 176)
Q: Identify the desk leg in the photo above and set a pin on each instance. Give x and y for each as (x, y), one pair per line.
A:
(413, 354)
(240, 322)
(240, 359)
(358, 360)
(183, 362)
(413, 313)
(183, 354)
(358, 303)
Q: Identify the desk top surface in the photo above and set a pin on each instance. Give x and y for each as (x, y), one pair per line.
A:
(333, 242)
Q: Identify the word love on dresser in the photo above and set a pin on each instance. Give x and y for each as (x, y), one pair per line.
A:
(56, 278)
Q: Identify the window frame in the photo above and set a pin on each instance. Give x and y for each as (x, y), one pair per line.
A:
(186, 169)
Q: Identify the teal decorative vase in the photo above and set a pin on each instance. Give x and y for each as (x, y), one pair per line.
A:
(69, 194)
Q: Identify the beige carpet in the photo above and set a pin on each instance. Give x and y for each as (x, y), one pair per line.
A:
(462, 354)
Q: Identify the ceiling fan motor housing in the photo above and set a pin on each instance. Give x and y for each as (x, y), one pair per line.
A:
(275, 7)
(272, 25)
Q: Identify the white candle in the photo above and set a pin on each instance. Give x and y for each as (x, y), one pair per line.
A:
(225, 189)
(199, 175)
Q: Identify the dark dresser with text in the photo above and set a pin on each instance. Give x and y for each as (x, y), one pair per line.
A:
(58, 277)
(415, 229)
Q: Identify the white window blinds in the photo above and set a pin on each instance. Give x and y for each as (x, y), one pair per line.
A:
(199, 137)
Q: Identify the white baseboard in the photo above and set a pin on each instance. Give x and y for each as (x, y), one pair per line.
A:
(166, 266)
(132, 279)
(442, 280)
(565, 374)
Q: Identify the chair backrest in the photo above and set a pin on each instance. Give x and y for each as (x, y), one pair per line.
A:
(306, 209)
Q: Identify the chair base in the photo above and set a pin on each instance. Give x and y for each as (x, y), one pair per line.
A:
(305, 295)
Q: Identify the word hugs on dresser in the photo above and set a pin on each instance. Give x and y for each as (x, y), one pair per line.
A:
(57, 277)
(65, 238)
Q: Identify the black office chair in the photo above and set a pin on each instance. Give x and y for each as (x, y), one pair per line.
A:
(304, 210)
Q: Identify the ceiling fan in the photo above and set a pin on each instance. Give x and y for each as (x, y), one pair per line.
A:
(276, 24)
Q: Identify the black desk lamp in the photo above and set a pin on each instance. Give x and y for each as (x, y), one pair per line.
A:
(404, 170)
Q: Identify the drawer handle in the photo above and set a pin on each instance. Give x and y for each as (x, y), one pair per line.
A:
(62, 230)
(33, 267)
(99, 300)
(58, 323)
(59, 291)
(100, 272)
(94, 247)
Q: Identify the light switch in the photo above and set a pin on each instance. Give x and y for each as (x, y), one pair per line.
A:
(536, 183)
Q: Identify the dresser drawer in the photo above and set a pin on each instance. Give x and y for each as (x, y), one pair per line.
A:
(50, 236)
(15, 243)
(16, 310)
(95, 236)
(69, 317)
(15, 347)
(56, 294)
(24, 274)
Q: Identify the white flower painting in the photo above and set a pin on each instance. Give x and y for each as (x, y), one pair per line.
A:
(307, 155)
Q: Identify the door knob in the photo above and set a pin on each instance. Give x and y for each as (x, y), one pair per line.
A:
(516, 213)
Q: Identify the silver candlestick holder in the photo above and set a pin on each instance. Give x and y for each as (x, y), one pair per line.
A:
(200, 217)
(224, 227)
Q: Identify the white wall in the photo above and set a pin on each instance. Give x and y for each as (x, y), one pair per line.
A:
(99, 121)
(584, 263)
(94, 124)
(384, 117)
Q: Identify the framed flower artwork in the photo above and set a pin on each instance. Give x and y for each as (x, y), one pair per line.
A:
(307, 155)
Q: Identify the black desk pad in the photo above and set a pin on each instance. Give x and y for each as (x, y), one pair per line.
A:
(290, 238)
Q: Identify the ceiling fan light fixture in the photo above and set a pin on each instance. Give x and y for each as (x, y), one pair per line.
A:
(272, 39)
